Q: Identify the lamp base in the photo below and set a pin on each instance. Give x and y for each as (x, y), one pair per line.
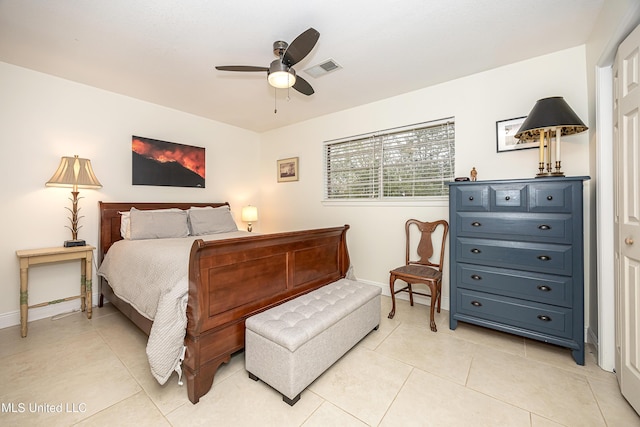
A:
(74, 243)
(550, 175)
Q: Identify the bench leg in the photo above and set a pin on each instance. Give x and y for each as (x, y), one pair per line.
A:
(293, 401)
(290, 402)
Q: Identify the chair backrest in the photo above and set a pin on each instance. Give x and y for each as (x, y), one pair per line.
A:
(424, 249)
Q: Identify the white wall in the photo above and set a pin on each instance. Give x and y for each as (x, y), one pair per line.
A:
(376, 237)
(44, 118)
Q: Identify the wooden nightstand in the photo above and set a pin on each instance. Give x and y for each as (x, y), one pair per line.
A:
(31, 257)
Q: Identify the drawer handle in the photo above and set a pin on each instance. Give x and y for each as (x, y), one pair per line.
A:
(476, 224)
(544, 288)
(507, 198)
(549, 198)
(475, 251)
(544, 258)
(471, 198)
(544, 227)
(477, 304)
(544, 318)
(476, 277)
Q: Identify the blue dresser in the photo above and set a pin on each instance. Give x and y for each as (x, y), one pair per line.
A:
(516, 258)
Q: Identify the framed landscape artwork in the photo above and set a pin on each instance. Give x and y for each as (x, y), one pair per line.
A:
(288, 169)
(165, 163)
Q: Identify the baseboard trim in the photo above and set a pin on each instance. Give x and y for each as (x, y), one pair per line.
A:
(592, 338)
(418, 299)
(12, 318)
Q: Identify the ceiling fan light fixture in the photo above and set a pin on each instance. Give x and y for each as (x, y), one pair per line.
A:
(282, 79)
(280, 73)
(281, 76)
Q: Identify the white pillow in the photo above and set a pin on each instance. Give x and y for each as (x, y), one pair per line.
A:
(210, 220)
(125, 225)
(158, 224)
(125, 220)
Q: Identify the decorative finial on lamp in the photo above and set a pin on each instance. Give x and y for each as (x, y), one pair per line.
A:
(249, 214)
(549, 117)
(76, 173)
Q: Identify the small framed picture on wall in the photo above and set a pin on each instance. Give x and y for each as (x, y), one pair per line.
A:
(505, 135)
(288, 169)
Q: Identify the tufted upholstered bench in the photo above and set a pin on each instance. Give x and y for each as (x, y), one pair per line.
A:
(292, 344)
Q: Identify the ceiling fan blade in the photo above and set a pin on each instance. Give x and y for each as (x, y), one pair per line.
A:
(300, 47)
(303, 86)
(241, 68)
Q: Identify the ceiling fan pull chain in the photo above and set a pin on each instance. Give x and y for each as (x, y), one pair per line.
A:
(275, 101)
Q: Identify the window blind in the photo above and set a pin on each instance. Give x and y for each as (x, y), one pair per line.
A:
(410, 162)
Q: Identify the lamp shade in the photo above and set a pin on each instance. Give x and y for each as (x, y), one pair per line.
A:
(74, 172)
(249, 213)
(550, 114)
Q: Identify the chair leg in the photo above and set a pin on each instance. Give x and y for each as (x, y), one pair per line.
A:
(432, 320)
(439, 295)
(410, 293)
(392, 313)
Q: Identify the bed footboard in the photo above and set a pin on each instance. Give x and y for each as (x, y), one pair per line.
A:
(230, 280)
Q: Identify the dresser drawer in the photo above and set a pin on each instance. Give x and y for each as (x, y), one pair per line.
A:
(554, 228)
(550, 197)
(508, 198)
(471, 198)
(540, 257)
(544, 288)
(524, 314)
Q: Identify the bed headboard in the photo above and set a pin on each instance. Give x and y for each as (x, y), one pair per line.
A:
(110, 218)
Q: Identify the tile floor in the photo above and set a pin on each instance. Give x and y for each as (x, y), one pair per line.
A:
(75, 371)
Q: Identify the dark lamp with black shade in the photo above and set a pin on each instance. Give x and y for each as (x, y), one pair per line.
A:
(550, 117)
(75, 173)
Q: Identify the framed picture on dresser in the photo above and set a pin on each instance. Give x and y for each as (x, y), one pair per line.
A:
(505, 135)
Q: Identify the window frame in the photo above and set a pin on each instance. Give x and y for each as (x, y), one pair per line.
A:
(379, 167)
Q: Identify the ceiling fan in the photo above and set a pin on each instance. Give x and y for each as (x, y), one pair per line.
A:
(280, 73)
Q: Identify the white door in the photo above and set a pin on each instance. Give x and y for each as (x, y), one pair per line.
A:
(627, 216)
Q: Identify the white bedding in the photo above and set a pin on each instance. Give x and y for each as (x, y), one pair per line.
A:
(152, 276)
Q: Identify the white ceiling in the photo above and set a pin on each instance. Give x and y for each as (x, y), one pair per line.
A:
(164, 51)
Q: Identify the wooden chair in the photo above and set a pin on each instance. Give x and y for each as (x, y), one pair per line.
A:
(423, 270)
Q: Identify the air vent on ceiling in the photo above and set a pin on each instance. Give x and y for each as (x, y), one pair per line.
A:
(323, 68)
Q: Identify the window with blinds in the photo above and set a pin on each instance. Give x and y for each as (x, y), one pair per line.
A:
(410, 162)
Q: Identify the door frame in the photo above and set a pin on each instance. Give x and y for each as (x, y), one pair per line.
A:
(605, 215)
(604, 190)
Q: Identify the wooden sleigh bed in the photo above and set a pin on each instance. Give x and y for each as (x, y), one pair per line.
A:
(230, 280)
